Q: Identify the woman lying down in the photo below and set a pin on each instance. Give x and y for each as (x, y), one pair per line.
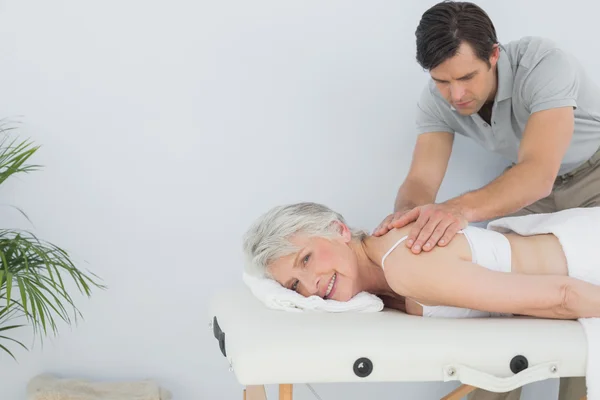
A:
(541, 265)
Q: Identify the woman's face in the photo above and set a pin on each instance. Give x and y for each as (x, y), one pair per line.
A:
(323, 267)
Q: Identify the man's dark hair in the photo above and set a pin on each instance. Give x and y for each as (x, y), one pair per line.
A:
(446, 25)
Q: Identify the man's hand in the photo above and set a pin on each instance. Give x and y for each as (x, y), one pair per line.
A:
(389, 222)
(436, 224)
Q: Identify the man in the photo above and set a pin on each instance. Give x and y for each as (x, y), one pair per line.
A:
(527, 100)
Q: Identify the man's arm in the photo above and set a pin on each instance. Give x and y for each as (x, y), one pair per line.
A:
(545, 141)
(549, 93)
(431, 278)
(426, 172)
(427, 169)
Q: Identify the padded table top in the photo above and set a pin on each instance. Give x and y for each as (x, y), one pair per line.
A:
(266, 346)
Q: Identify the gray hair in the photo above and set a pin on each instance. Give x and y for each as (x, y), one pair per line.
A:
(269, 236)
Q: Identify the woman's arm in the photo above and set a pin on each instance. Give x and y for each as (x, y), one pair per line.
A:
(397, 303)
(433, 279)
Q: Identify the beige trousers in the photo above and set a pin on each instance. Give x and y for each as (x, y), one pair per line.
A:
(578, 188)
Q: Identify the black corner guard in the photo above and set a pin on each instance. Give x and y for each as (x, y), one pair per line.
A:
(219, 335)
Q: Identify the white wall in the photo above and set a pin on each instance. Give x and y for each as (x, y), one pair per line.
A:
(166, 127)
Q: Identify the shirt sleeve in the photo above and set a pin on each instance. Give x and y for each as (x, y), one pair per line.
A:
(553, 82)
(428, 117)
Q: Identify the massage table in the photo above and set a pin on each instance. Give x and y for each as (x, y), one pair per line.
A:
(264, 346)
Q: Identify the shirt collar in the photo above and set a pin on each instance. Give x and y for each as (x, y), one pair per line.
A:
(505, 76)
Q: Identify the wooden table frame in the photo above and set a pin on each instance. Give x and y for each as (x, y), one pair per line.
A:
(258, 392)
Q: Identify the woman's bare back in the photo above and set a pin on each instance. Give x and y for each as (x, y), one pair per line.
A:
(531, 255)
(537, 255)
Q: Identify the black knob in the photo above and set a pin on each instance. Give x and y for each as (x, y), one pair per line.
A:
(363, 367)
(518, 364)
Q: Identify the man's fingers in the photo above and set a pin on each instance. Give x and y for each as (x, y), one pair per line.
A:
(425, 233)
(450, 232)
(383, 227)
(437, 233)
(415, 231)
(401, 219)
(396, 220)
(379, 230)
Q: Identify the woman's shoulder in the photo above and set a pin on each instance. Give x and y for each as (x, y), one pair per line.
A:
(392, 252)
(398, 259)
(395, 242)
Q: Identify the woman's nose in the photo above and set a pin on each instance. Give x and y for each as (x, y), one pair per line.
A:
(311, 284)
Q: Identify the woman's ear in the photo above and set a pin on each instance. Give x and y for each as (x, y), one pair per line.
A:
(343, 231)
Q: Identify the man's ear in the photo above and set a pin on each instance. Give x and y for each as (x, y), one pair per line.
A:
(495, 55)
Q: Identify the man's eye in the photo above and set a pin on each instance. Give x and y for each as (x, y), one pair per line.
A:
(306, 257)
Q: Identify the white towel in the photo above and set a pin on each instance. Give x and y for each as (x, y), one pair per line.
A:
(577, 232)
(277, 297)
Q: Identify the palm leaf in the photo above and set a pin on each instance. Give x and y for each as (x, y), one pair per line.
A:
(33, 271)
(39, 269)
(8, 351)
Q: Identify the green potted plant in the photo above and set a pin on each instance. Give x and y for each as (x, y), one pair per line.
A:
(33, 272)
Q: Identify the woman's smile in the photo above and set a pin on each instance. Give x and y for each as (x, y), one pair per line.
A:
(331, 287)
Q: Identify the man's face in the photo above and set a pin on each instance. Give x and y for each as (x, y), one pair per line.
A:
(466, 81)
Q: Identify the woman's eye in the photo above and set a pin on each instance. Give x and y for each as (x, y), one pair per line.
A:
(306, 257)
(295, 286)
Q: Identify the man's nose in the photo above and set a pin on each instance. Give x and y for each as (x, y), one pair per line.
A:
(457, 91)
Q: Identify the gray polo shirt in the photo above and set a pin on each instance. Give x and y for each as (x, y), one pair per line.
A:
(533, 75)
